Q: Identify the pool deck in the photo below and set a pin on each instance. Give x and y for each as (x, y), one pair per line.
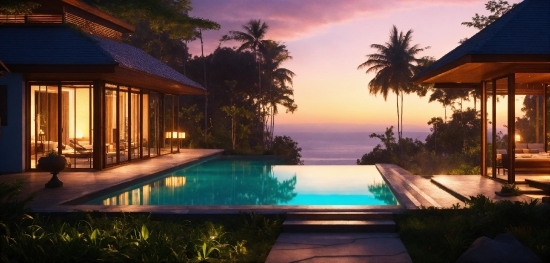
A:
(412, 191)
(79, 184)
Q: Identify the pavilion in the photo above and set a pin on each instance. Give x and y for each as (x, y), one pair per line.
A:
(71, 85)
(508, 58)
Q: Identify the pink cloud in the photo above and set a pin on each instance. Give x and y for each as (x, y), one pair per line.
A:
(293, 19)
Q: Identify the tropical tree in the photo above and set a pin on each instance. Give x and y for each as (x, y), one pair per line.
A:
(279, 83)
(235, 113)
(17, 7)
(497, 9)
(394, 65)
(252, 39)
(163, 27)
(448, 96)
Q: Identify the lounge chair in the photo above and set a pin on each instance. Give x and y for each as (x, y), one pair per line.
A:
(78, 151)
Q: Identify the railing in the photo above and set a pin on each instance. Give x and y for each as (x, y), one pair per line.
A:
(32, 19)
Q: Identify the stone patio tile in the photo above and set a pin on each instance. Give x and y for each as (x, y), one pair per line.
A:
(336, 247)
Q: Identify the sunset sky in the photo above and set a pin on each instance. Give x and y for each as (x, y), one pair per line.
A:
(328, 39)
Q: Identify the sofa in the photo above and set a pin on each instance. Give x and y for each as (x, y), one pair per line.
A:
(530, 157)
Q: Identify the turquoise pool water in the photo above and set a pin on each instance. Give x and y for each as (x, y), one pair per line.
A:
(236, 182)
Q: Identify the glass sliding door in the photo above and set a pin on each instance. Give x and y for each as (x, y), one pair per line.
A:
(145, 125)
(493, 159)
(44, 121)
(135, 125)
(111, 132)
(123, 124)
(77, 136)
(154, 123)
(61, 121)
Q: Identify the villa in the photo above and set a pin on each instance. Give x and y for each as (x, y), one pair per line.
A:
(505, 61)
(71, 86)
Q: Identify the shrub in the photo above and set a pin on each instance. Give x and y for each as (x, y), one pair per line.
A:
(82, 236)
(442, 235)
(288, 149)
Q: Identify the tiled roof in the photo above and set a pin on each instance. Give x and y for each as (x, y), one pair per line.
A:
(63, 45)
(137, 59)
(50, 45)
(523, 30)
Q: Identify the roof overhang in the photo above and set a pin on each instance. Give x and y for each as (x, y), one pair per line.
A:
(135, 78)
(475, 68)
(116, 75)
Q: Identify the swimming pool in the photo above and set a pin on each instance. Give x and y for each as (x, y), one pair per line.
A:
(240, 182)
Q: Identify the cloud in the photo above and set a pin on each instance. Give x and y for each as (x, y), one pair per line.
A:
(293, 19)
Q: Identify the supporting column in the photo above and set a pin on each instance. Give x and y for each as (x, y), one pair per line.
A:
(99, 125)
(544, 120)
(511, 127)
(483, 119)
(494, 127)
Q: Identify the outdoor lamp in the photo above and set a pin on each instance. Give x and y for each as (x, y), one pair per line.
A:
(175, 135)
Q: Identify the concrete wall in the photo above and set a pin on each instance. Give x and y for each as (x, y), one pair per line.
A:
(12, 136)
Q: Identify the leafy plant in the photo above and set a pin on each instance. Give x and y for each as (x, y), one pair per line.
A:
(510, 188)
(442, 235)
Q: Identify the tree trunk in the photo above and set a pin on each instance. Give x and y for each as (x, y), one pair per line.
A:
(398, 117)
(401, 134)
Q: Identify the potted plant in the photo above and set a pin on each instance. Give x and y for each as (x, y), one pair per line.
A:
(53, 163)
(509, 190)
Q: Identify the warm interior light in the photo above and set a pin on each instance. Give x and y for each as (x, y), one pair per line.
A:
(181, 135)
(518, 138)
(79, 134)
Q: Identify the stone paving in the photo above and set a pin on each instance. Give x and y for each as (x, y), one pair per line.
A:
(336, 247)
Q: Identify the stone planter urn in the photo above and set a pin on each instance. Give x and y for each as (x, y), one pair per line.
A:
(52, 163)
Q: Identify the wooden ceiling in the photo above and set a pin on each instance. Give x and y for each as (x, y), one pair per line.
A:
(477, 68)
(477, 72)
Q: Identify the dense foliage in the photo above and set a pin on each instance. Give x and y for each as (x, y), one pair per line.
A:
(16, 7)
(442, 235)
(452, 148)
(85, 237)
(288, 149)
(497, 9)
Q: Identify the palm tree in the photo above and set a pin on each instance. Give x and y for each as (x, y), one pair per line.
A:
(279, 82)
(252, 38)
(394, 68)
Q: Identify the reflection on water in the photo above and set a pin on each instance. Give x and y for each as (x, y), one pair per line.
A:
(243, 182)
(382, 192)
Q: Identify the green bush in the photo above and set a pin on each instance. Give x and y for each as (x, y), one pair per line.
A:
(442, 235)
(85, 237)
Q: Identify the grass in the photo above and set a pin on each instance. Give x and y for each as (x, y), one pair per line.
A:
(442, 235)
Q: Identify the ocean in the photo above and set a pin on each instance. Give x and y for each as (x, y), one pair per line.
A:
(337, 148)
